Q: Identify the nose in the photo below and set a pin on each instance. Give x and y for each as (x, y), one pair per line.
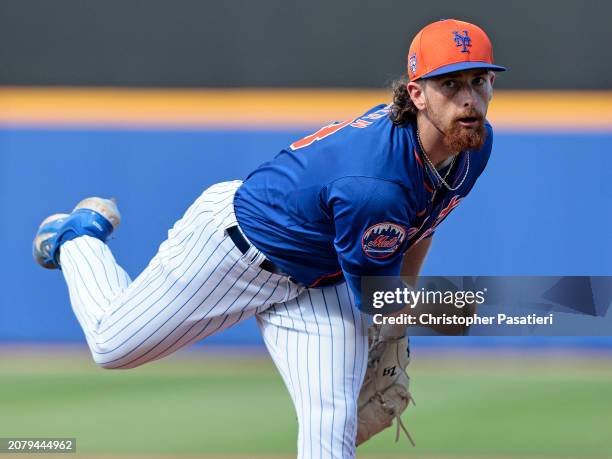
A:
(468, 97)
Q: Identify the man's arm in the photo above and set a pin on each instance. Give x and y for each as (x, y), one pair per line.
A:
(413, 261)
(371, 224)
(411, 267)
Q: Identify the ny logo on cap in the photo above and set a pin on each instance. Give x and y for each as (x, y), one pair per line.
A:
(462, 40)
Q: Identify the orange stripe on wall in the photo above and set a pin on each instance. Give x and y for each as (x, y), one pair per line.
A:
(273, 108)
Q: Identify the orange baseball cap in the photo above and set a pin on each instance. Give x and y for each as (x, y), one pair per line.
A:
(449, 46)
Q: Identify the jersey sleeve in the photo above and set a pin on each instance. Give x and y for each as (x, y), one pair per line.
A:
(371, 225)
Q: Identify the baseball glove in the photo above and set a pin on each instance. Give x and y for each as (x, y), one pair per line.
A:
(384, 394)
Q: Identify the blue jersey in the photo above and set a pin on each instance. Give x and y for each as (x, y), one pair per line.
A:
(348, 200)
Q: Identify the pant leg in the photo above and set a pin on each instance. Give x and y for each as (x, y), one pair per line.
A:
(318, 341)
(199, 283)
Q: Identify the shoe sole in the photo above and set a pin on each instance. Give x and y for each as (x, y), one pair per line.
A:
(43, 237)
(105, 207)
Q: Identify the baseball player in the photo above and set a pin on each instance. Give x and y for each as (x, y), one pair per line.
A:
(291, 244)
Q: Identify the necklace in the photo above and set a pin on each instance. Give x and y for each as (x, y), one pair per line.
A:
(437, 174)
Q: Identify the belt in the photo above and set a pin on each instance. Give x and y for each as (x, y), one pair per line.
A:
(243, 245)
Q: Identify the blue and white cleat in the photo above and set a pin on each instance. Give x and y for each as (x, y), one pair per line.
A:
(94, 217)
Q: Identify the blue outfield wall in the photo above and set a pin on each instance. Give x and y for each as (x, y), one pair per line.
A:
(542, 207)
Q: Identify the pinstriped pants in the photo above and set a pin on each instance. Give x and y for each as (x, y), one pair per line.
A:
(198, 284)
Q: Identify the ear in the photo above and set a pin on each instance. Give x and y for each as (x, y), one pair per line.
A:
(417, 94)
(491, 80)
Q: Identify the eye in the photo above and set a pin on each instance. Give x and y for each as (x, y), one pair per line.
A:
(478, 81)
(450, 84)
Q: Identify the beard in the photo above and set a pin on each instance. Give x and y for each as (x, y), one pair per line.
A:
(459, 138)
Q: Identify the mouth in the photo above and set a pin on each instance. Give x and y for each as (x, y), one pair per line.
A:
(469, 121)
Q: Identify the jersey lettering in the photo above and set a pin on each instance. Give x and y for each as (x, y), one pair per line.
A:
(320, 134)
(360, 123)
(328, 130)
(454, 202)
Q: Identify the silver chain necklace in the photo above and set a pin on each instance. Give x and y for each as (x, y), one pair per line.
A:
(437, 174)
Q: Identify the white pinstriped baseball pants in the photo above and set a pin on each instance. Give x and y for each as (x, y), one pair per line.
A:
(198, 284)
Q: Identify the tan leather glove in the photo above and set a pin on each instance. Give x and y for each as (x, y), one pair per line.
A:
(384, 394)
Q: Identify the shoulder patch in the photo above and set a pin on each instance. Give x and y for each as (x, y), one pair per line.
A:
(382, 240)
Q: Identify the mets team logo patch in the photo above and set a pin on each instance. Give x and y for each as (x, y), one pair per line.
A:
(412, 62)
(382, 239)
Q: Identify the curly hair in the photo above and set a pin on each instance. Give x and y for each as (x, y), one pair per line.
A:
(403, 109)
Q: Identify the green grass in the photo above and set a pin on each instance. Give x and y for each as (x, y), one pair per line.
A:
(202, 404)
